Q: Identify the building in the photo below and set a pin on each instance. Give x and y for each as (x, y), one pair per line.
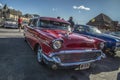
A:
(27, 17)
(6, 12)
(103, 21)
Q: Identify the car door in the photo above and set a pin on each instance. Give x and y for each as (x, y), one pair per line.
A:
(32, 33)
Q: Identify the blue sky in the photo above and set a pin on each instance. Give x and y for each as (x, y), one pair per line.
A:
(81, 10)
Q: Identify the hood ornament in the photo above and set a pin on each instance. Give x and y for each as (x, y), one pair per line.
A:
(68, 32)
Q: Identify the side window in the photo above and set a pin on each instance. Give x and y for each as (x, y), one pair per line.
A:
(39, 23)
(87, 30)
(43, 23)
(33, 22)
(30, 22)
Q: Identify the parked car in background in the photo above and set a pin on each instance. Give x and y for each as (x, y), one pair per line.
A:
(117, 33)
(56, 46)
(10, 23)
(1, 22)
(112, 42)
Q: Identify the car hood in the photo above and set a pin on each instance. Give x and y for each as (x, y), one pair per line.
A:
(107, 37)
(71, 40)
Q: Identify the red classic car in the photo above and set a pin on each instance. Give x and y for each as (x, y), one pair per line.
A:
(56, 46)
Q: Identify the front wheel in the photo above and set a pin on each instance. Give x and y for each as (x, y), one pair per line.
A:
(39, 53)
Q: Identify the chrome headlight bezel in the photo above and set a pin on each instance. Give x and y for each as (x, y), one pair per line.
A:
(102, 45)
(57, 44)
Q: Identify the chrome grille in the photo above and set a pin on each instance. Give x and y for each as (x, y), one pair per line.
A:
(78, 57)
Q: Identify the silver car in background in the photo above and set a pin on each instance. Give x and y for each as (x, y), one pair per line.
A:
(10, 23)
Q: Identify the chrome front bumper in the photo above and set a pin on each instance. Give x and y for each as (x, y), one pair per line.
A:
(11, 26)
(50, 59)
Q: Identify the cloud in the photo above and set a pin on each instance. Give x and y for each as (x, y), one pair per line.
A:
(11, 7)
(54, 9)
(1, 5)
(75, 7)
(81, 8)
(79, 11)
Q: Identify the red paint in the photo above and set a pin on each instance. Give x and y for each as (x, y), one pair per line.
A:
(44, 38)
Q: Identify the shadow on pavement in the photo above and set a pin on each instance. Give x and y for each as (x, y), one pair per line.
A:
(9, 30)
(118, 76)
(106, 65)
(18, 62)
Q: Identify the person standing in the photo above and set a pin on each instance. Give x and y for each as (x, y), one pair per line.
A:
(19, 23)
(71, 22)
(58, 17)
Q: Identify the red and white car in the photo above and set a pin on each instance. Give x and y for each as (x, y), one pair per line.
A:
(56, 46)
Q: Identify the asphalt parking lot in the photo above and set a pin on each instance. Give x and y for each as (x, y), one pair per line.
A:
(18, 62)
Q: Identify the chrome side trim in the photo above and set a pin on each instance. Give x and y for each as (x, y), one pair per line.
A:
(44, 42)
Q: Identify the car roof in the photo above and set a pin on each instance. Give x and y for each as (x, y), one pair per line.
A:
(54, 19)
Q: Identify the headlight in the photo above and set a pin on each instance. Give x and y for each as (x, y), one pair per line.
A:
(57, 44)
(102, 44)
(117, 43)
(56, 59)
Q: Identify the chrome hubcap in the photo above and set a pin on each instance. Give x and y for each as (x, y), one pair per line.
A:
(39, 54)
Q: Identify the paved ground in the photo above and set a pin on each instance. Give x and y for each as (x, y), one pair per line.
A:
(17, 62)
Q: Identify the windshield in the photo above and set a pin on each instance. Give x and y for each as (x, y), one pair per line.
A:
(94, 30)
(54, 25)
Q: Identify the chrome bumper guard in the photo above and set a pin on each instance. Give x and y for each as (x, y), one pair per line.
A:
(50, 59)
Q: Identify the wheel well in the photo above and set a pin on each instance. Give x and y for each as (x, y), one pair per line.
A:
(35, 47)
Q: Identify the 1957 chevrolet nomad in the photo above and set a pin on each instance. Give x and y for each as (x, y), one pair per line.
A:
(56, 46)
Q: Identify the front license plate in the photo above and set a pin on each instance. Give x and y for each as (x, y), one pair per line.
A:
(84, 66)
